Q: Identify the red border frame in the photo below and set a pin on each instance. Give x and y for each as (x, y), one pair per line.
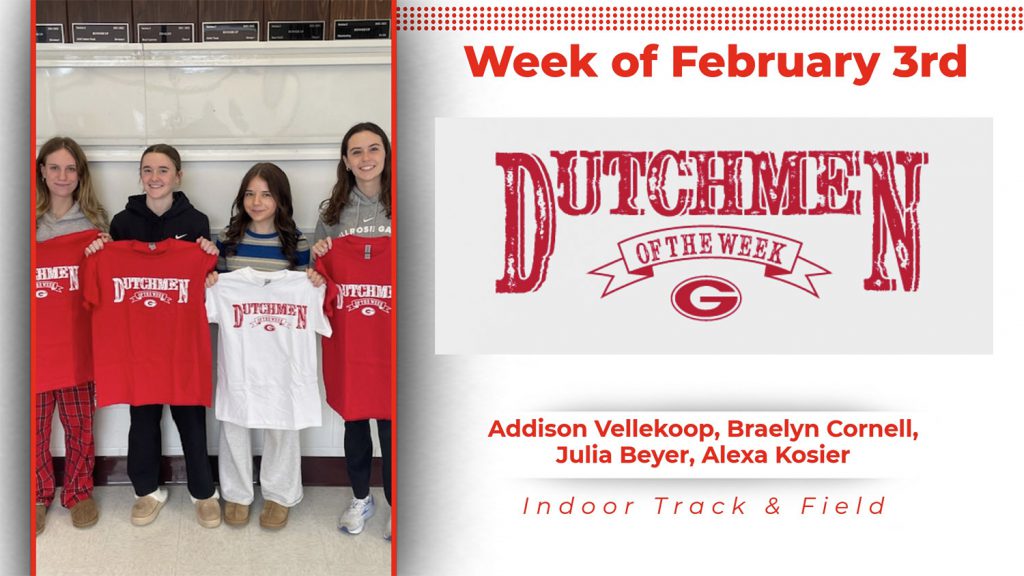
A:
(32, 301)
(394, 276)
(394, 285)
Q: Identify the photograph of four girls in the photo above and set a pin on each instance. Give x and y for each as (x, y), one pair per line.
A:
(261, 235)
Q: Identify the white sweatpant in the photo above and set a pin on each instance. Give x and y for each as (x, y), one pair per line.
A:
(280, 469)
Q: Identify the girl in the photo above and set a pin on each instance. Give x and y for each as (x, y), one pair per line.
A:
(262, 235)
(66, 204)
(160, 213)
(360, 201)
(360, 205)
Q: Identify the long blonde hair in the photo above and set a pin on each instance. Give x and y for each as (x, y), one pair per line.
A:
(84, 194)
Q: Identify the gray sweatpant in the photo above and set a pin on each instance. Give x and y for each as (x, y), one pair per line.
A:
(280, 469)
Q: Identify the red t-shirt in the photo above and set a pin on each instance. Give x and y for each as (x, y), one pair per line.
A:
(62, 334)
(357, 358)
(151, 342)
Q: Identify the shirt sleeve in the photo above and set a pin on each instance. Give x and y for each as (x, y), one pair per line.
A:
(321, 230)
(89, 281)
(323, 325)
(115, 228)
(332, 287)
(302, 254)
(204, 226)
(209, 262)
(211, 304)
(222, 261)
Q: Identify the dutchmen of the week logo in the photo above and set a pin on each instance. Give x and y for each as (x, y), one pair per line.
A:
(368, 299)
(688, 191)
(269, 315)
(151, 292)
(55, 280)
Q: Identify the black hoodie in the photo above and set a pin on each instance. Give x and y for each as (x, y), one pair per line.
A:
(137, 222)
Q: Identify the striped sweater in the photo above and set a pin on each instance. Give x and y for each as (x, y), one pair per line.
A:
(261, 252)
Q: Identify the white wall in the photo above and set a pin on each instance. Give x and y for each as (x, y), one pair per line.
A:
(224, 107)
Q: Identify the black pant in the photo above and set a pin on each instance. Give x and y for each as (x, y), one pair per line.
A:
(144, 448)
(359, 455)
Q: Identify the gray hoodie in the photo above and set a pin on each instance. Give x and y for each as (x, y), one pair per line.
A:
(49, 227)
(361, 216)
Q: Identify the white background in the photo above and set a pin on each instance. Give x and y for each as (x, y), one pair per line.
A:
(775, 316)
(955, 510)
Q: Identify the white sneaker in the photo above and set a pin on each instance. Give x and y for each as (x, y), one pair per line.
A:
(354, 519)
(387, 529)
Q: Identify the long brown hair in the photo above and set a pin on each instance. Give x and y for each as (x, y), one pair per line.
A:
(84, 194)
(280, 189)
(330, 209)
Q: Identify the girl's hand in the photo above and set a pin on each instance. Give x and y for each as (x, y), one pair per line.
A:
(207, 246)
(315, 277)
(97, 244)
(211, 279)
(322, 247)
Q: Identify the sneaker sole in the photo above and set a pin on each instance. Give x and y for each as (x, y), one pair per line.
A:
(147, 520)
(370, 511)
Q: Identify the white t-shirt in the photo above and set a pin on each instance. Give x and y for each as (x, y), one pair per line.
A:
(266, 355)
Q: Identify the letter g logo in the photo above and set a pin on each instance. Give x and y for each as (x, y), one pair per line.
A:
(706, 298)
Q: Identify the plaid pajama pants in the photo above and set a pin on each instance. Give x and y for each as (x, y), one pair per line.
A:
(76, 407)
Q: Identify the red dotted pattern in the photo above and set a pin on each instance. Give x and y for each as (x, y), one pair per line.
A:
(710, 18)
